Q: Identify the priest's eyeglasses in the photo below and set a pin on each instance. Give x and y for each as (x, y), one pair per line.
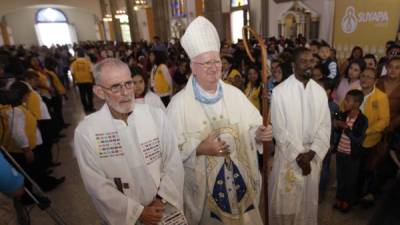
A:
(117, 88)
(209, 64)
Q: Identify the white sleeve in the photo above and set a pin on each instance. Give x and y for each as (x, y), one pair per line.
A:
(290, 146)
(332, 70)
(321, 140)
(16, 123)
(171, 186)
(154, 100)
(187, 145)
(256, 120)
(113, 206)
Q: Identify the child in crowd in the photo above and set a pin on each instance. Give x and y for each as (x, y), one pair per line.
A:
(318, 72)
(353, 124)
(328, 63)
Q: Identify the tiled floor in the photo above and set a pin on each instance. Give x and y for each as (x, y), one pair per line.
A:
(74, 205)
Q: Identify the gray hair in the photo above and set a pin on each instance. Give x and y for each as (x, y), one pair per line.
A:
(108, 62)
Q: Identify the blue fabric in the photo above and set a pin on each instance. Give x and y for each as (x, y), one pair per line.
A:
(205, 99)
(241, 188)
(220, 195)
(10, 179)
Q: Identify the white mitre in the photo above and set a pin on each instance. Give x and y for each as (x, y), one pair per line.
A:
(200, 37)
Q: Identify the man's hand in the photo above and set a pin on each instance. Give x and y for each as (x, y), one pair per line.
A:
(306, 169)
(264, 134)
(152, 214)
(303, 161)
(213, 146)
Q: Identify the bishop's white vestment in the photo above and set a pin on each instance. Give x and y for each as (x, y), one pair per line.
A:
(125, 165)
(218, 190)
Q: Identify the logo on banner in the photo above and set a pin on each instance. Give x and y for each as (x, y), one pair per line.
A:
(349, 21)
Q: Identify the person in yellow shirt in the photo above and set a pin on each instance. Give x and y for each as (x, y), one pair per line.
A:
(253, 87)
(58, 92)
(231, 75)
(28, 144)
(376, 108)
(160, 78)
(81, 70)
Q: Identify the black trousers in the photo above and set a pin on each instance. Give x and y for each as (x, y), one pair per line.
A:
(56, 112)
(35, 170)
(49, 133)
(86, 94)
(365, 173)
(347, 172)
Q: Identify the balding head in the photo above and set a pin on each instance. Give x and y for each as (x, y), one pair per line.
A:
(101, 68)
(114, 85)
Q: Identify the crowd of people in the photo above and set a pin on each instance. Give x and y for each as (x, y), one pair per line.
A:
(320, 108)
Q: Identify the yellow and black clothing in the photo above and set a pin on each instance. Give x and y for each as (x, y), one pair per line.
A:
(81, 70)
(233, 77)
(55, 103)
(161, 82)
(254, 95)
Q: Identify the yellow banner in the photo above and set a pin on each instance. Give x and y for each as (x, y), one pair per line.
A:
(365, 23)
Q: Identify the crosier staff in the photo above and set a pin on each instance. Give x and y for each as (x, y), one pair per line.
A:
(265, 110)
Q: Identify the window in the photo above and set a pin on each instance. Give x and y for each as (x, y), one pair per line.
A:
(50, 15)
(239, 3)
(178, 8)
(52, 28)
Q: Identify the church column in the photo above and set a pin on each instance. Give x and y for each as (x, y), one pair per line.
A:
(161, 19)
(264, 18)
(7, 39)
(199, 7)
(102, 29)
(213, 12)
(115, 22)
(133, 24)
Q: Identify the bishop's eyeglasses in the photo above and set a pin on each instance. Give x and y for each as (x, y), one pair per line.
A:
(209, 64)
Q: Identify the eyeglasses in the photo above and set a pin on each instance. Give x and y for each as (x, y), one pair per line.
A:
(209, 64)
(117, 88)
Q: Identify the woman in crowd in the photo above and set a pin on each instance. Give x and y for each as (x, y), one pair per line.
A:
(350, 81)
(230, 75)
(160, 78)
(390, 84)
(356, 54)
(253, 87)
(143, 94)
